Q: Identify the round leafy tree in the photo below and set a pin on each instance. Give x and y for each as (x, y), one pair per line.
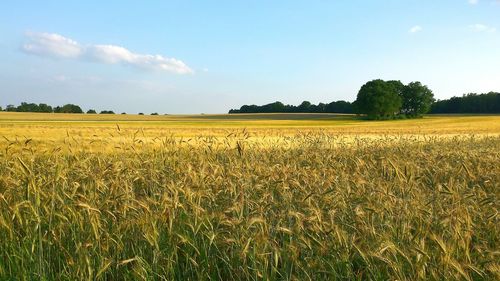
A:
(379, 99)
(417, 99)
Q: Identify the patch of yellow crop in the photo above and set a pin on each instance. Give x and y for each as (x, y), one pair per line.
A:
(268, 197)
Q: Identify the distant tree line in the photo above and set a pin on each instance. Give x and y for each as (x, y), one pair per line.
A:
(67, 108)
(42, 107)
(379, 99)
(107, 112)
(304, 107)
(469, 103)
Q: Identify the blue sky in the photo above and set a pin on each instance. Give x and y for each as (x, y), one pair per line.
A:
(210, 56)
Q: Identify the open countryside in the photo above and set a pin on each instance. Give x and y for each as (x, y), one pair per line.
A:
(250, 140)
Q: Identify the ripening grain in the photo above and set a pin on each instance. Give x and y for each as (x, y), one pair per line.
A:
(309, 206)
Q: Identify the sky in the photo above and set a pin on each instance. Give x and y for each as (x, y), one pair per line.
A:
(182, 57)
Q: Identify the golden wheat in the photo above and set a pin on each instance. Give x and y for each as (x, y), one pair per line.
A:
(313, 205)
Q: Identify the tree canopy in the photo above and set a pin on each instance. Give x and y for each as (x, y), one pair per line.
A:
(304, 107)
(42, 107)
(68, 108)
(469, 103)
(417, 99)
(30, 107)
(379, 99)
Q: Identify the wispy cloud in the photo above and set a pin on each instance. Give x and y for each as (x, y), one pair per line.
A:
(482, 28)
(57, 46)
(473, 2)
(415, 29)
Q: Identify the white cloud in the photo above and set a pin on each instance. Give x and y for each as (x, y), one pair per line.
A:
(473, 2)
(57, 46)
(416, 28)
(108, 54)
(53, 45)
(482, 28)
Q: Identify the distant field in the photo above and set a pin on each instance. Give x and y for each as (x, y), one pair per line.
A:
(29, 124)
(248, 197)
(100, 132)
(134, 117)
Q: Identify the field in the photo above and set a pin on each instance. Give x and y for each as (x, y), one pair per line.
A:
(248, 197)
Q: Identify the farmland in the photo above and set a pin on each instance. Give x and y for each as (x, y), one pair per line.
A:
(248, 197)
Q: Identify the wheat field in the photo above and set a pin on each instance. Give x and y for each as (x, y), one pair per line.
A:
(314, 197)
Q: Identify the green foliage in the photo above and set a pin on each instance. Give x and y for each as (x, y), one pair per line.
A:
(68, 108)
(339, 107)
(30, 107)
(11, 108)
(45, 108)
(42, 107)
(417, 99)
(470, 103)
(378, 99)
(304, 107)
(107, 112)
(398, 86)
(27, 107)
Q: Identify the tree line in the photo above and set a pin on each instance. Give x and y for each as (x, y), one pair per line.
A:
(379, 99)
(42, 107)
(304, 107)
(469, 103)
(45, 108)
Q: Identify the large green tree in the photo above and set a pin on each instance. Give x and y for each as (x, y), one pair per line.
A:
(379, 99)
(417, 99)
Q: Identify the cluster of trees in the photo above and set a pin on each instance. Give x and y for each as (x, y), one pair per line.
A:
(42, 107)
(67, 108)
(469, 103)
(304, 107)
(379, 99)
(92, 111)
(107, 112)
